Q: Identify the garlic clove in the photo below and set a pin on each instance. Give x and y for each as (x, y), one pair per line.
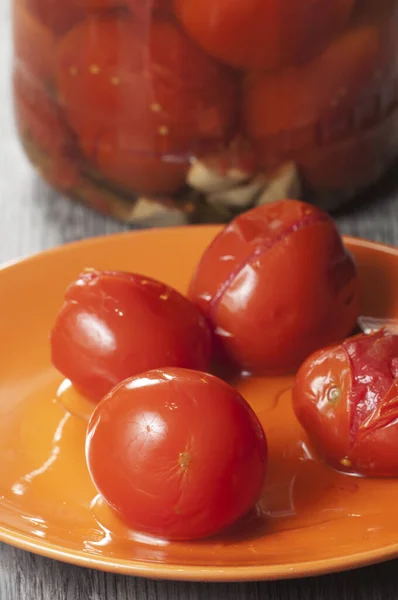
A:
(156, 212)
(239, 197)
(284, 183)
(206, 180)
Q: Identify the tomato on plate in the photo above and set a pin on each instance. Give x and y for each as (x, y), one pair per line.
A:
(168, 97)
(114, 325)
(276, 284)
(176, 453)
(264, 34)
(346, 398)
(328, 115)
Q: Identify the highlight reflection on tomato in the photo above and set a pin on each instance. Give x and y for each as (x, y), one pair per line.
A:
(346, 398)
(277, 284)
(113, 325)
(176, 453)
(264, 34)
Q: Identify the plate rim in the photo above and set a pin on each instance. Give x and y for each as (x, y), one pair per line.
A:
(350, 240)
(199, 573)
(169, 570)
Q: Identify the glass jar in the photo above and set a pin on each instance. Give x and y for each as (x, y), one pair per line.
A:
(173, 111)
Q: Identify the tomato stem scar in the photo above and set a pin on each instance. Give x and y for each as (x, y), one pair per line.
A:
(334, 395)
(184, 460)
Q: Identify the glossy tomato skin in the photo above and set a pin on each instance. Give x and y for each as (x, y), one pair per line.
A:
(113, 325)
(177, 453)
(277, 284)
(346, 398)
(264, 34)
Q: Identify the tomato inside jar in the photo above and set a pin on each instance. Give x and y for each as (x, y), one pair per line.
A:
(176, 110)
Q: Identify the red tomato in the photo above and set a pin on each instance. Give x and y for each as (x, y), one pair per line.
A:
(57, 16)
(113, 78)
(164, 6)
(104, 4)
(34, 44)
(139, 8)
(176, 453)
(346, 398)
(114, 325)
(325, 115)
(41, 125)
(264, 34)
(277, 284)
(354, 162)
(90, 60)
(144, 171)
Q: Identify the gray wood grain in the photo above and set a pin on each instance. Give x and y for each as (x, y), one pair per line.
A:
(33, 218)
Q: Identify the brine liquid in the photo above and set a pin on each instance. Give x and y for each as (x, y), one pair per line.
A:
(46, 491)
(123, 105)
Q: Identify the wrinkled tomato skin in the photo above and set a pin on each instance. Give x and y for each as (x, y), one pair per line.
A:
(346, 398)
(326, 420)
(114, 325)
(276, 285)
(176, 453)
(259, 34)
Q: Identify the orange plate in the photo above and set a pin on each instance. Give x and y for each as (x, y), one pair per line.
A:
(310, 519)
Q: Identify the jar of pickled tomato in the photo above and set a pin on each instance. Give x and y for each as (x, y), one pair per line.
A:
(174, 111)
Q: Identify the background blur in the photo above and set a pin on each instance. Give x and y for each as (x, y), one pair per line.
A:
(33, 217)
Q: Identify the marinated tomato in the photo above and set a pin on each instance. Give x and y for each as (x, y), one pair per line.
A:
(276, 284)
(114, 325)
(43, 129)
(332, 115)
(134, 99)
(34, 45)
(264, 34)
(346, 398)
(176, 453)
(145, 171)
(139, 8)
(57, 16)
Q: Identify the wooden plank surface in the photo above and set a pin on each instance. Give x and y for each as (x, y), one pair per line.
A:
(32, 218)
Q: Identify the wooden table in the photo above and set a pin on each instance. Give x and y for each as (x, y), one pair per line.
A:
(33, 218)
